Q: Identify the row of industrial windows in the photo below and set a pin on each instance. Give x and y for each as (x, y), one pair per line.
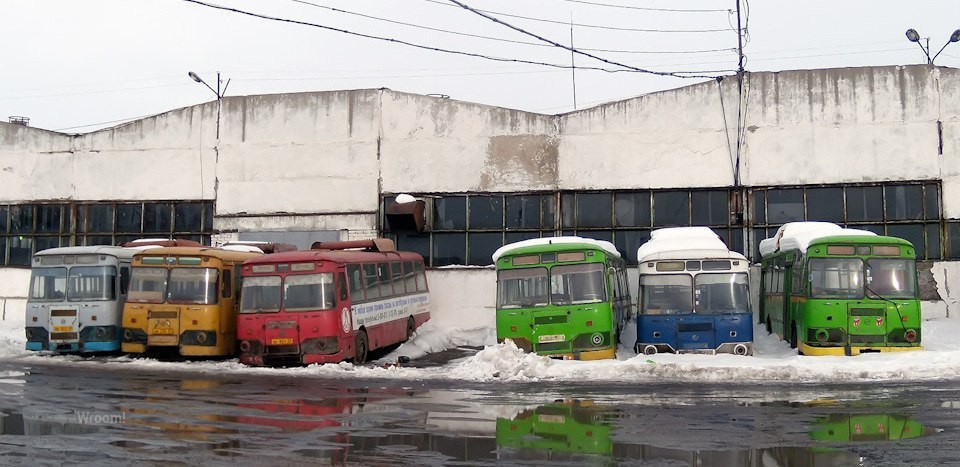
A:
(468, 228)
(28, 228)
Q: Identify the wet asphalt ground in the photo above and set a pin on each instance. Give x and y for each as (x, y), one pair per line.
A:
(51, 413)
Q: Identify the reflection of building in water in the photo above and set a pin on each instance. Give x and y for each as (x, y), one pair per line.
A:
(14, 423)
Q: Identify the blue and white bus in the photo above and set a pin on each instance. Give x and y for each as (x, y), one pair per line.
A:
(76, 298)
(694, 295)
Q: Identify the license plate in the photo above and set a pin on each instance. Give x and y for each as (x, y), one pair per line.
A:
(62, 328)
(164, 331)
(552, 338)
(552, 418)
(282, 341)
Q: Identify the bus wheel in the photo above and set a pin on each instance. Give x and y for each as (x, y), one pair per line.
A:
(769, 327)
(411, 327)
(361, 348)
(793, 336)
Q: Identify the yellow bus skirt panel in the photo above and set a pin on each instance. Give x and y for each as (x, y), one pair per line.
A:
(854, 350)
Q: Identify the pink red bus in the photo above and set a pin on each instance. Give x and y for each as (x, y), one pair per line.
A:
(335, 302)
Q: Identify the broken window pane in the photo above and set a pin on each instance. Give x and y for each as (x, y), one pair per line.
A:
(417, 243)
(486, 212)
(864, 203)
(568, 207)
(449, 248)
(523, 212)
(21, 220)
(482, 246)
(48, 218)
(549, 212)
(450, 213)
(128, 217)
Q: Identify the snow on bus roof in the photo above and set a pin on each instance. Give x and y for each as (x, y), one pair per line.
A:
(602, 244)
(699, 241)
(799, 235)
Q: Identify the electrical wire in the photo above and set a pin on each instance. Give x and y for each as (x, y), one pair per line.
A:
(442, 50)
(105, 123)
(609, 5)
(93, 92)
(479, 36)
(690, 74)
(594, 26)
(446, 75)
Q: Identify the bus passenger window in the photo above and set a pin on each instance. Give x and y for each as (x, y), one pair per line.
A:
(356, 282)
(370, 279)
(386, 285)
(396, 270)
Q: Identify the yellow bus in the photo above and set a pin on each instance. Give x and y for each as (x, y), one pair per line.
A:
(184, 298)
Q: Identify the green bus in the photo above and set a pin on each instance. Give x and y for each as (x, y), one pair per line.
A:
(562, 297)
(866, 427)
(834, 291)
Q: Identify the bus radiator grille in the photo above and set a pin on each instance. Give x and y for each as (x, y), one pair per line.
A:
(866, 338)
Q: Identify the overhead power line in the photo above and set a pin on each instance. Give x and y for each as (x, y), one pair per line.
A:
(594, 26)
(628, 7)
(692, 74)
(438, 49)
(128, 119)
(500, 39)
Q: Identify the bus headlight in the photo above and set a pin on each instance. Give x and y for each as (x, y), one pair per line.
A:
(910, 335)
(597, 339)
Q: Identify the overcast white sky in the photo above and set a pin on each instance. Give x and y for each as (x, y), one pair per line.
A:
(74, 65)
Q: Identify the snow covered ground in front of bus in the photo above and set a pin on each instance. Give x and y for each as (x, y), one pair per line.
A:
(773, 362)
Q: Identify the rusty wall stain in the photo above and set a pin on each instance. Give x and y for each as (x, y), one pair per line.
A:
(520, 161)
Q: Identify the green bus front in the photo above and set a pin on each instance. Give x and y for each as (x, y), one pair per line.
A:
(848, 295)
(562, 300)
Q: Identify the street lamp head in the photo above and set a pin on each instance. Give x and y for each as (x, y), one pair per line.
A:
(955, 37)
(912, 35)
(196, 77)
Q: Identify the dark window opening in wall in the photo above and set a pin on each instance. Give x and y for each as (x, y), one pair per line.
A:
(187, 216)
(450, 213)
(825, 204)
(482, 245)
(759, 207)
(594, 210)
(934, 245)
(207, 218)
(864, 203)
(912, 233)
(671, 208)
(486, 212)
(129, 217)
(95, 218)
(411, 241)
(547, 205)
(904, 202)
(523, 212)
(606, 235)
(21, 250)
(632, 209)
(43, 243)
(513, 237)
(48, 218)
(784, 206)
(953, 241)
(3, 250)
(710, 207)
(628, 241)
(156, 217)
(4, 215)
(568, 213)
(90, 240)
(931, 198)
(449, 249)
(21, 218)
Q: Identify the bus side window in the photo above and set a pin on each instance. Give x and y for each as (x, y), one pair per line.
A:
(227, 288)
(410, 276)
(342, 286)
(421, 277)
(386, 285)
(124, 279)
(370, 278)
(356, 282)
(396, 271)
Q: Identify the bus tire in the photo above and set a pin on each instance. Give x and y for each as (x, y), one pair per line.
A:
(411, 328)
(361, 348)
(793, 336)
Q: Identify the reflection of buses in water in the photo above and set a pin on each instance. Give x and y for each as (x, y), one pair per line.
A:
(694, 294)
(562, 296)
(557, 431)
(77, 294)
(185, 298)
(331, 303)
(866, 427)
(834, 291)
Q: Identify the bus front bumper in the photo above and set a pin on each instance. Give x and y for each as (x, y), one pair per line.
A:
(853, 350)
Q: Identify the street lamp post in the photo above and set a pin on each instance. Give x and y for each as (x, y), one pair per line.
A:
(914, 36)
(219, 92)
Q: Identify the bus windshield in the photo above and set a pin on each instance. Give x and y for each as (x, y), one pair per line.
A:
(89, 283)
(147, 285)
(48, 284)
(722, 293)
(308, 292)
(573, 284)
(666, 294)
(518, 288)
(193, 285)
(260, 294)
(836, 278)
(891, 278)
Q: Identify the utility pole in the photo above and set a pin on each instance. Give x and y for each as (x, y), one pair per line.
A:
(739, 41)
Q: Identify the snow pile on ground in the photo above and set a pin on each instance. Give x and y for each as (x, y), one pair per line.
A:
(774, 361)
